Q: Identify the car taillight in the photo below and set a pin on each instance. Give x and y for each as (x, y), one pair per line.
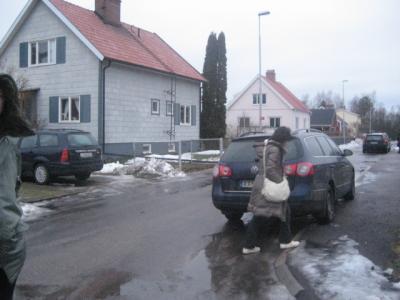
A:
(222, 171)
(290, 169)
(64, 155)
(305, 169)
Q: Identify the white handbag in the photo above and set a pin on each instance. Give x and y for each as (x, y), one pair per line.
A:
(275, 192)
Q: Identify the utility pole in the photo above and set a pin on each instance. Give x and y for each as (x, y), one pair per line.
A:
(263, 13)
(344, 108)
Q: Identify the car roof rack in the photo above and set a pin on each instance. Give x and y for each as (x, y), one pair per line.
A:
(251, 133)
(307, 130)
(63, 129)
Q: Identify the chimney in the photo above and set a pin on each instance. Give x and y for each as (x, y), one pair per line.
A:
(109, 11)
(271, 75)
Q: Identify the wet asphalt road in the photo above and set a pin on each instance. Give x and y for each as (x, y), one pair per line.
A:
(129, 238)
(139, 239)
(372, 219)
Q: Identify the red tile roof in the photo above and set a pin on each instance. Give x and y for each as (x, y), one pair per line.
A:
(288, 95)
(127, 43)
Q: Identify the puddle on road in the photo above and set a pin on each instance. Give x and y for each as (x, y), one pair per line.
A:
(219, 271)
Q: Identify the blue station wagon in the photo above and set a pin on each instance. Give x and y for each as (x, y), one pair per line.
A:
(317, 170)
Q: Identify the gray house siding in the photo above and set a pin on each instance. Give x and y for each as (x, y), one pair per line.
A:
(78, 75)
(128, 95)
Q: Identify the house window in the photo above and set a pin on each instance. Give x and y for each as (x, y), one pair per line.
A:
(69, 109)
(274, 122)
(256, 96)
(171, 147)
(244, 122)
(170, 108)
(297, 122)
(146, 148)
(185, 115)
(42, 52)
(155, 106)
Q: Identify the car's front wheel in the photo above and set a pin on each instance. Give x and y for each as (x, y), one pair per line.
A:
(328, 214)
(233, 216)
(352, 193)
(41, 174)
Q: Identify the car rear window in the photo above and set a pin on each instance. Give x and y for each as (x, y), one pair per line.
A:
(244, 151)
(374, 137)
(81, 139)
(48, 140)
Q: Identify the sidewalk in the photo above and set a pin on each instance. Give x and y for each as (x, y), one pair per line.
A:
(31, 192)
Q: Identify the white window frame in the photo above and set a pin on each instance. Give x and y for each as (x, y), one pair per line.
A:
(257, 100)
(171, 147)
(275, 118)
(60, 120)
(169, 103)
(183, 122)
(157, 112)
(51, 53)
(148, 150)
(240, 118)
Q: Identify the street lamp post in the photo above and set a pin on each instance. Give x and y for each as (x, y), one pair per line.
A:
(263, 13)
(343, 122)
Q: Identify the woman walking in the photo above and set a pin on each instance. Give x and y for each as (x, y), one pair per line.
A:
(12, 245)
(272, 165)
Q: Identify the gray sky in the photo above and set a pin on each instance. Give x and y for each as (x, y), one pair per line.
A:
(312, 44)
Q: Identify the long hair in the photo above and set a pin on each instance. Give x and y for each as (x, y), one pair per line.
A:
(11, 121)
(281, 135)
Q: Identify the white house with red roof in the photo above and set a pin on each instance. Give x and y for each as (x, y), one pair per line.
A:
(279, 107)
(88, 70)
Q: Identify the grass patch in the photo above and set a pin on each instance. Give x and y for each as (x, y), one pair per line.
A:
(31, 192)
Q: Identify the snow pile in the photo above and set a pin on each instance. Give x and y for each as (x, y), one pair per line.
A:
(141, 167)
(352, 145)
(340, 272)
(31, 211)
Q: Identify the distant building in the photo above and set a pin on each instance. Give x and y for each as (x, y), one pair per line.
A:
(352, 121)
(324, 119)
(279, 107)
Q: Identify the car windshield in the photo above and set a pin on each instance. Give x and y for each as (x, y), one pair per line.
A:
(81, 139)
(244, 151)
(374, 137)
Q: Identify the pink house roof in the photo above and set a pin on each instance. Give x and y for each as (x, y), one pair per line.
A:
(287, 95)
(127, 43)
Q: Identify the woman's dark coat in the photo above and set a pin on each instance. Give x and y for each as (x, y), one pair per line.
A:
(260, 206)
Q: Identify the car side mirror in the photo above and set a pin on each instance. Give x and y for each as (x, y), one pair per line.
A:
(347, 152)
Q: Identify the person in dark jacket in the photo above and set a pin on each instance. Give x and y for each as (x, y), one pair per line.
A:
(12, 244)
(258, 204)
(398, 142)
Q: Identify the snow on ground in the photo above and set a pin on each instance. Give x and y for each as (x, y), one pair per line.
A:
(352, 145)
(31, 211)
(142, 167)
(341, 272)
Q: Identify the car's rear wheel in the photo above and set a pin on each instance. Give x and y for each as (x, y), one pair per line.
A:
(328, 214)
(82, 176)
(352, 193)
(41, 174)
(233, 216)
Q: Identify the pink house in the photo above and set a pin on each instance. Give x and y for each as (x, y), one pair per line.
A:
(279, 107)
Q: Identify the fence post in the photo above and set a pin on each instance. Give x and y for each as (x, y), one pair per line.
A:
(180, 155)
(191, 151)
(221, 146)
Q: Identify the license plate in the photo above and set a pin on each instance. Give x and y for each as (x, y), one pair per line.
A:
(246, 184)
(86, 155)
(373, 143)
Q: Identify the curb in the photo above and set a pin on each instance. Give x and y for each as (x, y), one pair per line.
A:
(285, 276)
